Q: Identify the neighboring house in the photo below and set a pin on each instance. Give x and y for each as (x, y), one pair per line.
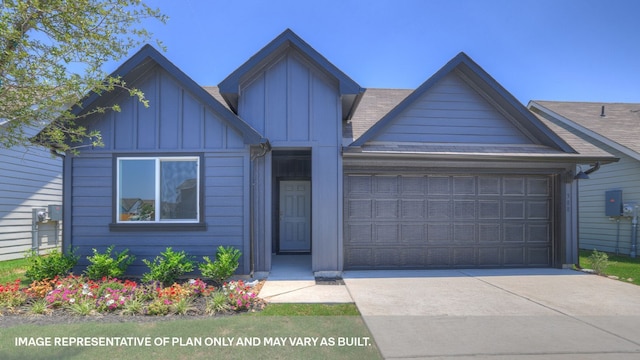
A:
(30, 178)
(301, 159)
(614, 127)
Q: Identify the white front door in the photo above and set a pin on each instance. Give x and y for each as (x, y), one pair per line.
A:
(295, 216)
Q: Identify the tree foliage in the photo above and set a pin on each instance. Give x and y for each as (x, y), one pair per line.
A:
(51, 55)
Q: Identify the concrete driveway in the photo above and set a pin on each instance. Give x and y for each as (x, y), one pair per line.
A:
(498, 314)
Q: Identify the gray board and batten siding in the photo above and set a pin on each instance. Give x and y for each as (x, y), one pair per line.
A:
(30, 177)
(177, 123)
(297, 106)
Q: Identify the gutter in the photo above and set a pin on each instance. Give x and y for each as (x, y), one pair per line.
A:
(349, 152)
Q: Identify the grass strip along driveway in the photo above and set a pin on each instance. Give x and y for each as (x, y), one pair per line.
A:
(625, 268)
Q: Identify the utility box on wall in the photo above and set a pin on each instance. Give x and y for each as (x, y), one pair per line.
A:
(613, 203)
(55, 212)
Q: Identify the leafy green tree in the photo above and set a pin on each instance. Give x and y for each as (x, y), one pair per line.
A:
(51, 56)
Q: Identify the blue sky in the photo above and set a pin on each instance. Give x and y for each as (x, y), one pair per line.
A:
(572, 50)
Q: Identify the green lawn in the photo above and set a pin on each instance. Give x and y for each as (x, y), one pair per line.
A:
(306, 333)
(621, 266)
(11, 270)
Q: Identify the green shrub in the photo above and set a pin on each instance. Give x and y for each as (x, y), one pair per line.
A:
(223, 267)
(168, 267)
(105, 265)
(49, 266)
(599, 262)
(218, 302)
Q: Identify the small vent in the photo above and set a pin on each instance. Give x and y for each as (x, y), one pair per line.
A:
(602, 112)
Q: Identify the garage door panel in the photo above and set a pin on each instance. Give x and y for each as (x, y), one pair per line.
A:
(386, 209)
(538, 187)
(489, 186)
(439, 233)
(387, 234)
(538, 210)
(489, 209)
(464, 185)
(359, 209)
(489, 256)
(358, 185)
(489, 232)
(538, 256)
(539, 233)
(438, 257)
(412, 233)
(359, 257)
(412, 185)
(464, 209)
(514, 256)
(447, 221)
(386, 257)
(385, 184)
(359, 233)
(439, 209)
(514, 233)
(464, 257)
(439, 185)
(412, 209)
(513, 186)
(464, 233)
(414, 257)
(514, 209)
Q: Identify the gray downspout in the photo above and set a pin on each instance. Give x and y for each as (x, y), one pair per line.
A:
(634, 232)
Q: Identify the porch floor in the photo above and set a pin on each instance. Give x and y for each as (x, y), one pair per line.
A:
(291, 281)
(291, 267)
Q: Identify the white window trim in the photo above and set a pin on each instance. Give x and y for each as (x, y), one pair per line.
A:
(158, 159)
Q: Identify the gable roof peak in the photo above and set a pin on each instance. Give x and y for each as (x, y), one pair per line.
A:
(489, 88)
(350, 91)
(148, 57)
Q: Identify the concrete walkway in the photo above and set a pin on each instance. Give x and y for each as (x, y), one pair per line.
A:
(291, 281)
(498, 314)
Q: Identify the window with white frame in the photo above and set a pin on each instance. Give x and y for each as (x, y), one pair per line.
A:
(158, 189)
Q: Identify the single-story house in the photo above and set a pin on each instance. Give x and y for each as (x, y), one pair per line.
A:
(288, 154)
(30, 181)
(614, 127)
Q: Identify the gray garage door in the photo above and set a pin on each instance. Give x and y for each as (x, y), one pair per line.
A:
(447, 221)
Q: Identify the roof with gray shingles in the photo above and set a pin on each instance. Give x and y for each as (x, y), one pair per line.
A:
(374, 105)
(620, 123)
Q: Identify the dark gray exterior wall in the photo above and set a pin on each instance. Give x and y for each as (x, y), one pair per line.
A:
(175, 123)
(297, 106)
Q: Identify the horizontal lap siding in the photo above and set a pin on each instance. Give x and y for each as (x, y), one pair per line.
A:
(598, 231)
(224, 197)
(28, 179)
(452, 112)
